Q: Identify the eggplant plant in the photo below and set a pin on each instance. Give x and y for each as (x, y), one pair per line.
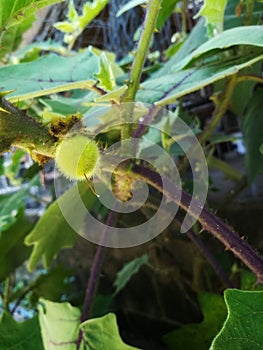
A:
(112, 131)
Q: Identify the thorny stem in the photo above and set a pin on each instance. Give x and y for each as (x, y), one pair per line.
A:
(95, 274)
(19, 129)
(209, 221)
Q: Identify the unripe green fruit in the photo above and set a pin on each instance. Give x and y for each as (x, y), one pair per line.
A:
(76, 157)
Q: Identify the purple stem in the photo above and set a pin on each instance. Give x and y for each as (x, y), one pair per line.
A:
(209, 221)
(94, 274)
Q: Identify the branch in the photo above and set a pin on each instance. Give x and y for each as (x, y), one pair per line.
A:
(209, 221)
(21, 130)
(95, 274)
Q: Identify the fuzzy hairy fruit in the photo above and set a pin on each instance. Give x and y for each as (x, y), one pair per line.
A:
(76, 157)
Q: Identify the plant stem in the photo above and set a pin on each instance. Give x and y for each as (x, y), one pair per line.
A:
(247, 77)
(95, 274)
(153, 8)
(19, 129)
(209, 221)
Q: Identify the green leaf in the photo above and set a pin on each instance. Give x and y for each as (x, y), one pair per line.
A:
(12, 247)
(166, 89)
(252, 128)
(195, 39)
(199, 336)
(103, 333)
(19, 335)
(16, 17)
(65, 27)
(247, 35)
(62, 73)
(90, 11)
(128, 270)
(11, 38)
(105, 75)
(166, 10)
(111, 57)
(16, 11)
(59, 324)
(213, 11)
(33, 51)
(243, 327)
(52, 232)
(65, 105)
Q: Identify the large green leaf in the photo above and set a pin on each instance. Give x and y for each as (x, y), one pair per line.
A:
(60, 326)
(52, 232)
(166, 89)
(213, 11)
(59, 323)
(243, 327)
(12, 248)
(247, 36)
(49, 74)
(128, 270)
(103, 333)
(199, 336)
(19, 335)
(253, 133)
